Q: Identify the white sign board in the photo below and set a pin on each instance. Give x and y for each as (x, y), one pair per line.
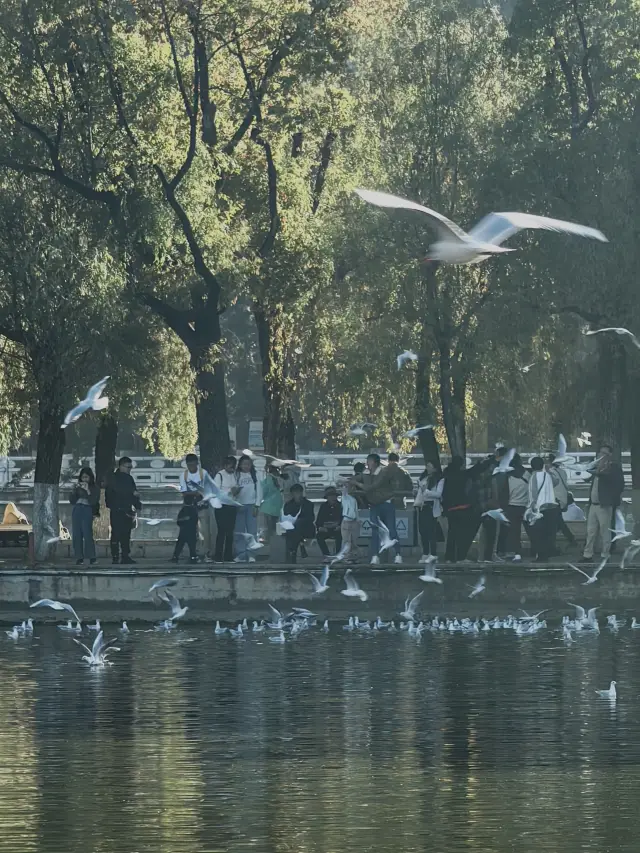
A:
(255, 435)
(402, 527)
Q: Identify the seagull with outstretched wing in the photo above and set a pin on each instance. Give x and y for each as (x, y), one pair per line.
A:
(455, 246)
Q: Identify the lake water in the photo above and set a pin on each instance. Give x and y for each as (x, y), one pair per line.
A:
(338, 742)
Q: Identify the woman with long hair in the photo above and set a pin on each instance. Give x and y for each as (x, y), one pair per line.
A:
(249, 496)
(85, 499)
(429, 507)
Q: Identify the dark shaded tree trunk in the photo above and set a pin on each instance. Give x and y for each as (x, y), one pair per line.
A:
(278, 431)
(452, 393)
(612, 393)
(425, 412)
(47, 475)
(105, 449)
(105, 461)
(211, 414)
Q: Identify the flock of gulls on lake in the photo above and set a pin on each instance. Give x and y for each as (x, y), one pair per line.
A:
(280, 627)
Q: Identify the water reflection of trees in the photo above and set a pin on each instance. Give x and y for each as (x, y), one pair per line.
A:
(327, 743)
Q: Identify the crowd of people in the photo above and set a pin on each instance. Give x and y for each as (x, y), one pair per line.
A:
(451, 506)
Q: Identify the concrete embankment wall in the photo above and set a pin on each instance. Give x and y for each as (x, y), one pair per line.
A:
(113, 595)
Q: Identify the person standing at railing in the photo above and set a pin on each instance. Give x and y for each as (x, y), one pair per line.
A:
(85, 499)
(272, 501)
(249, 495)
(123, 500)
(194, 480)
(607, 486)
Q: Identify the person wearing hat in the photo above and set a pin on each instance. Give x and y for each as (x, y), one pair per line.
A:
(328, 522)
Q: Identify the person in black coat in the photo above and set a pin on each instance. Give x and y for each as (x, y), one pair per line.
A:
(328, 522)
(304, 525)
(123, 500)
(188, 525)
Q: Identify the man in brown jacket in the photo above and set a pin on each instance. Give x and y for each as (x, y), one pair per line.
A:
(384, 488)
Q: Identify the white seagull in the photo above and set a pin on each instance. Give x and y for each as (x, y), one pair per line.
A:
(288, 522)
(610, 693)
(497, 515)
(620, 528)
(454, 246)
(478, 588)
(320, 584)
(504, 465)
(413, 433)
(630, 552)
(410, 607)
(97, 654)
(93, 400)
(429, 574)
(163, 583)
(584, 439)
(386, 541)
(353, 590)
(404, 357)
(590, 578)
(56, 605)
(617, 331)
(361, 429)
(177, 610)
(152, 522)
(250, 542)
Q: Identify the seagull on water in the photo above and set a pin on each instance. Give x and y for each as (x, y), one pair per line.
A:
(279, 638)
(14, 633)
(617, 331)
(97, 654)
(219, 630)
(320, 584)
(454, 246)
(352, 587)
(404, 357)
(93, 400)
(410, 607)
(95, 627)
(590, 578)
(610, 693)
(587, 619)
(56, 605)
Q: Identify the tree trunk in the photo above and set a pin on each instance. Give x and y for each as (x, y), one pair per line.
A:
(278, 430)
(612, 393)
(453, 414)
(46, 524)
(105, 461)
(211, 411)
(425, 413)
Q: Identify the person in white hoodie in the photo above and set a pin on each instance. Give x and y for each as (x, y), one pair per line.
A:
(225, 480)
(428, 502)
(541, 512)
(250, 496)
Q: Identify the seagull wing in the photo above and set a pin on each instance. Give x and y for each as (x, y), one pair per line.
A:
(275, 612)
(162, 583)
(172, 601)
(498, 227)
(96, 390)
(350, 580)
(621, 526)
(317, 585)
(97, 644)
(445, 227)
(601, 567)
(580, 611)
(588, 577)
(75, 414)
(414, 602)
(562, 446)
(82, 645)
(325, 576)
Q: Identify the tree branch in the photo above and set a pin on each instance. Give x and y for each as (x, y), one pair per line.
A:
(177, 319)
(321, 175)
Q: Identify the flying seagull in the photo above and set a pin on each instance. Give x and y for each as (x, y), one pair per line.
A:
(361, 429)
(590, 578)
(97, 654)
(177, 610)
(404, 357)
(620, 531)
(617, 331)
(93, 400)
(162, 583)
(412, 433)
(56, 605)
(410, 607)
(454, 246)
(353, 589)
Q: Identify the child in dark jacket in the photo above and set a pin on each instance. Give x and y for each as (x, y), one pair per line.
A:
(188, 524)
